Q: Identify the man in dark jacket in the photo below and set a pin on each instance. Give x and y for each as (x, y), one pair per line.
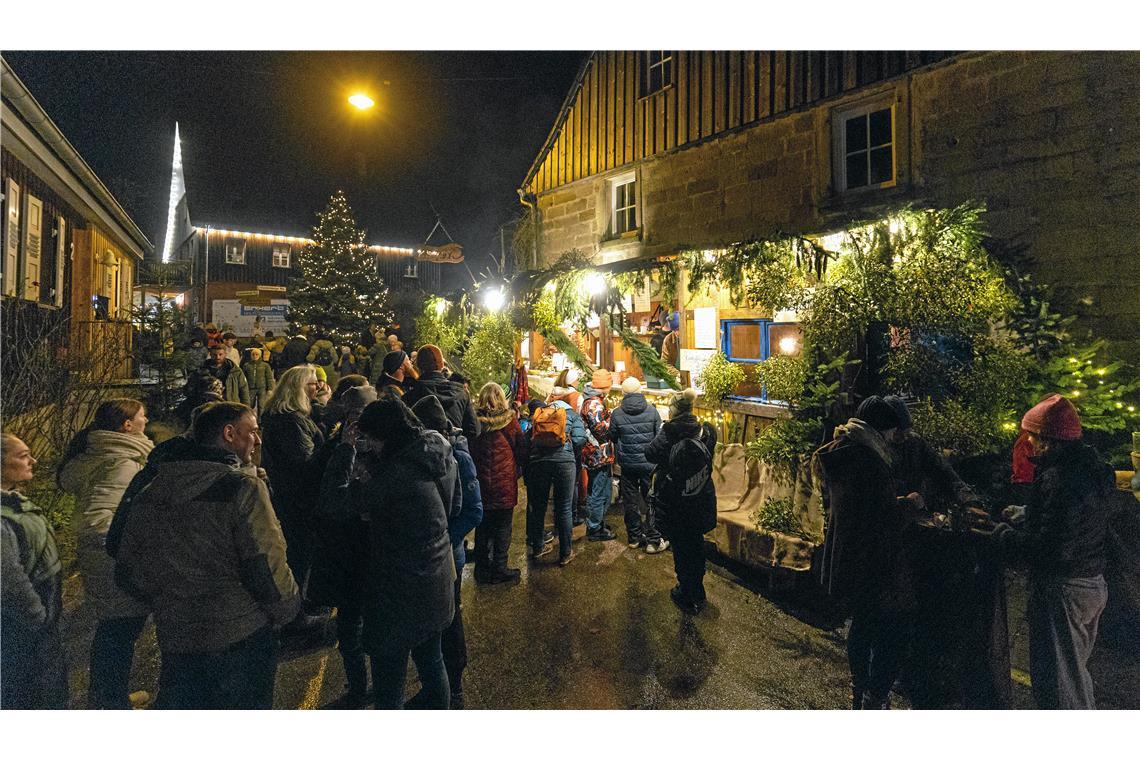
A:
(202, 547)
(919, 469)
(1063, 543)
(452, 396)
(684, 495)
(296, 352)
(633, 425)
(406, 488)
(392, 373)
(464, 516)
(861, 553)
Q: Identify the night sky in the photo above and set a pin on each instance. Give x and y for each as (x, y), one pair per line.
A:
(268, 137)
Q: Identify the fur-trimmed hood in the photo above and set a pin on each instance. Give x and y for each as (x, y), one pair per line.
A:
(490, 421)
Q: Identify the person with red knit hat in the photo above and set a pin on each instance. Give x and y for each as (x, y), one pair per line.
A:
(452, 396)
(1063, 543)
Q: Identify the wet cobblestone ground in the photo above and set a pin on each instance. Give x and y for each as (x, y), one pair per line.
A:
(603, 633)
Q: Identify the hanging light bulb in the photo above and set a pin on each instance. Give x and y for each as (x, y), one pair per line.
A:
(493, 299)
(595, 283)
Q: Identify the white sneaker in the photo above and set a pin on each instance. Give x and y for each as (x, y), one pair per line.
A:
(657, 548)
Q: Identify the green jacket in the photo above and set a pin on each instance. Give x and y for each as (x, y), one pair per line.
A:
(30, 575)
(259, 376)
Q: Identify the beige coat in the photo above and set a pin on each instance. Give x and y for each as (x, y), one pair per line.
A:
(97, 479)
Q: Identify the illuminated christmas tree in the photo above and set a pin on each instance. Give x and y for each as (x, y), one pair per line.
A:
(339, 292)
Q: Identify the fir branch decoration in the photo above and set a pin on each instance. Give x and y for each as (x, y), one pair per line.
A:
(650, 362)
(566, 346)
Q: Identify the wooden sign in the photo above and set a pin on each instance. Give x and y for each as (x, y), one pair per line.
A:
(451, 253)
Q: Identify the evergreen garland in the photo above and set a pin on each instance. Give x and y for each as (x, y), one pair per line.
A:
(651, 363)
(562, 342)
(339, 291)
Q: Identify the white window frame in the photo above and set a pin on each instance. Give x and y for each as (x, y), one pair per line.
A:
(412, 270)
(616, 183)
(840, 151)
(231, 248)
(279, 249)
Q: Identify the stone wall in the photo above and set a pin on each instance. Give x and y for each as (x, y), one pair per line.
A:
(1050, 141)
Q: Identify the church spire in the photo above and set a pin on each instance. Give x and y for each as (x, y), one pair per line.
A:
(177, 198)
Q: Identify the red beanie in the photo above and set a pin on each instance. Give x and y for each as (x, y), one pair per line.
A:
(1054, 417)
(429, 359)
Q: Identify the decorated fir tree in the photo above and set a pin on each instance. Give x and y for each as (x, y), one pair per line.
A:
(339, 292)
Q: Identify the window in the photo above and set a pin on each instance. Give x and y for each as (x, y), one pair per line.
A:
(412, 270)
(623, 202)
(235, 252)
(865, 150)
(751, 341)
(281, 256)
(658, 71)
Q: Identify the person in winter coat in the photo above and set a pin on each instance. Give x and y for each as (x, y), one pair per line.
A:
(453, 398)
(393, 372)
(346, 363)
(213, 335)
(196, 356)
(340, 563)
(291, 437)
(333, 414)
(684, 495)
(406, 486)
(920, 471)
(498, 452)
(323, 355)
(201, 388)
(97, 467)
(259, 377)
(202, 547)
(295, 353)
(32, 657)
(862, 553)
(1063, 544)
(235, 386)
(551, 465)
(229, 340)
(598, 456)
(633, 425)
(465, 516)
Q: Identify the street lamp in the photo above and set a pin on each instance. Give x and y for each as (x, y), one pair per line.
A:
(361, 101)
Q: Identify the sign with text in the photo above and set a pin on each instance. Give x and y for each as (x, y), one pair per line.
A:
(705, 332)
(694, 360)
(242, 317)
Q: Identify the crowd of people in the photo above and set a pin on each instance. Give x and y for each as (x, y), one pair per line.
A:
(290, 496)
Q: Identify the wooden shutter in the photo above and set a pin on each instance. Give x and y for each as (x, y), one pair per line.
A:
(11, 237)
(33, 242)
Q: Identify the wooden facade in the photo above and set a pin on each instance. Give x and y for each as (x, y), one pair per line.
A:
(608, 123)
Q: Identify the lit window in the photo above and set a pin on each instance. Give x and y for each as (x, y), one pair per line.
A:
(658, 72)
(235, 253)
(751, 341)
(412, 270)
(865, 150)
(281, 256)
(623, 195)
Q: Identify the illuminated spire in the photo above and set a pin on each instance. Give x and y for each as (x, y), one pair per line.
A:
(177, 194)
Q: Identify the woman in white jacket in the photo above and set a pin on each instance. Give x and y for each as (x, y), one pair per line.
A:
(97, 466)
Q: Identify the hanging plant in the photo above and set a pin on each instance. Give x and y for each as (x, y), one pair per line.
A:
(719, 378)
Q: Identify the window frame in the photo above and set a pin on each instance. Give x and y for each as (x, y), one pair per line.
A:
(840, 151)
(240, 244)
(629, 178)
(288, 251)
(766, 325)
(666, 66)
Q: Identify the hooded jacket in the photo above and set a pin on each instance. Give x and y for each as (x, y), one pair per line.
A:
(467, 504)
(289, 440)
(453, 398)
(1066, 518)
(233, 379)
(30, 579)
(498, 452)
(410, 591)
(633, 425)
(697, 514)
(329, 367)
(202, 546)
(97, 479)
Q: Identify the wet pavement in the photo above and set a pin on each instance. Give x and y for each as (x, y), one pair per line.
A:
(603, 633)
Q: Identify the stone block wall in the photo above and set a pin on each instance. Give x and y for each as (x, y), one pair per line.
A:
(1049, 140)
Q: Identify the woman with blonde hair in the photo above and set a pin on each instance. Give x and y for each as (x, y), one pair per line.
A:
(31, 648)
(289, 439)
(497, 451)
(98, 465)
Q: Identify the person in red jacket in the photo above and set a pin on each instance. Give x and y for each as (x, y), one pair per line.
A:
(497, 451)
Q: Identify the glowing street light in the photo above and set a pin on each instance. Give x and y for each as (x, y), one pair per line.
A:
(493, 299)
(361, 101)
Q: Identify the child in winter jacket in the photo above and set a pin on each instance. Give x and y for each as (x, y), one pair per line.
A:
(598, 456)
(259, 376)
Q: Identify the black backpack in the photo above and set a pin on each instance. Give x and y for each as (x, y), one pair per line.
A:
(690, 469)
(324, 357)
